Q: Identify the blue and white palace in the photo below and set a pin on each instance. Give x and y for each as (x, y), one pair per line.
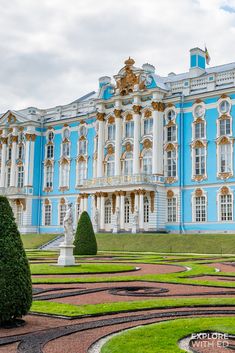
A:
(153, 151)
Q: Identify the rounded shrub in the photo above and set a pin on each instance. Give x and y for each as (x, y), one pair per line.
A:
(85, 241)
(15, 277)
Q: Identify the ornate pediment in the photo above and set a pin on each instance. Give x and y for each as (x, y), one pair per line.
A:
(128, 77)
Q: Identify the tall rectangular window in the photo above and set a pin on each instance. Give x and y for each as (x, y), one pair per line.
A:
(20, 181)
(111, 132)
(200, 209)
(129, 129)
(50, 151)
(148, 126)
(225, 127)
(200, 130)
(200, 161)
(171, 163)
(47, 215)
(171, 209)
(171, 133)
(225, 158)
(226, 213)
(62, 213)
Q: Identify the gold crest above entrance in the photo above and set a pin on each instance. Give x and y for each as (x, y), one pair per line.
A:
(129, 79)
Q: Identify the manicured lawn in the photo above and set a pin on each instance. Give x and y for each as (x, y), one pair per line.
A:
(106, 308)
(33, 241)
(163, 337)
(44, 269)
(168, 243)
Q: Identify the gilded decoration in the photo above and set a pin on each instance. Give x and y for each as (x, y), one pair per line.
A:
(198, 144)
(126, 83)
(81, 159)
(170, 105)
(117, 113)
(82, 138)
(111, 120)
(198, 192)
(64, 161)
(48, 189)
(147, 114)
(197, 101)
(199, 177)
(170, 194)
(224, 117)
(198, 121)
(47, 202)
(110, 149)
(152, 195)
(62, 201)
(159, 106)
(82, 121)
(50, 127)
(21, 128)
(30, 137)
(14, 138)
(113, 203)
(224, 96)
(11, 130)
(225, 175)
(170, 180)
(128, 147)
(129, 117)
(170, 147)
(100, 116)
(66, 125)
(224, 190)
(4, 140)
(147, 144)
(142, 192)
(11, 119)
(224, 141)
(171, 123)
(137, 109)
(20, 202)
(64, 188)
(19, 163)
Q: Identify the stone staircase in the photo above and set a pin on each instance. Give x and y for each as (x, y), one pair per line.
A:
(53, 244)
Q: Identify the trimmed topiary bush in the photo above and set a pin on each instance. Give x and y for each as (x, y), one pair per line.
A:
(15, 277)
(85, 241)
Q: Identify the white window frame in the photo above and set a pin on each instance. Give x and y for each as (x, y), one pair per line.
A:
(108, 212)
(46, 213)
(228, 159)
(81, 176)
(172, 209)
(219, 195)
(147, 162)
(64, 175)
(20, 176)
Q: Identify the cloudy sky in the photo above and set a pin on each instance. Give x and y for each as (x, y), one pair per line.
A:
(53, 51)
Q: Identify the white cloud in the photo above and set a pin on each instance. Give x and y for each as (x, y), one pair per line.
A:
(54, 51)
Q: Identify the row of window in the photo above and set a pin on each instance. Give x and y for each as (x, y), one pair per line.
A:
(199, 209)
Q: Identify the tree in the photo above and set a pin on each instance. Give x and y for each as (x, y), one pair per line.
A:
(85, 241)
(15, 277)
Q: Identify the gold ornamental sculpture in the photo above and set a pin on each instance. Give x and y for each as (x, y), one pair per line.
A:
(126, 83)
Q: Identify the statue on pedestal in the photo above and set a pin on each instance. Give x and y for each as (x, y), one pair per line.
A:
(96, 220)
(68, 225)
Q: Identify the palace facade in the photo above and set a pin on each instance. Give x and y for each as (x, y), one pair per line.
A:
(153, 151)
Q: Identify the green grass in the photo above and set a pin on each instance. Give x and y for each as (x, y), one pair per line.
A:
(168, 243)
(45, 269)
(163, 337)
(33, 241)
(106, 308)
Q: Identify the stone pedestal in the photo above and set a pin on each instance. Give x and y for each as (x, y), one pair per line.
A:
(116, 228)
(66, 257)
(134, 229)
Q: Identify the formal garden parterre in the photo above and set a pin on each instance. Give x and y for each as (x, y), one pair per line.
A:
(74, 307)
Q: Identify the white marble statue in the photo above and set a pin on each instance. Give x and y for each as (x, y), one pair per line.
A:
(135, 223)
(116, 221)
(68, 225)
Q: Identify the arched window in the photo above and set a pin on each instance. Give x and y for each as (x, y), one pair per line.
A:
(199, 163)
(47, 214)
(225, 158)
(20, 177)
(62, 211)
(171, 133)
(224, 126)
(81, 171)
(127, 211)
(49, 176)
(170, 115)
(82, 146)
(66, 134)
(226, 207)
(111, 132)
(64, 175)
(200, 209)
(20, 151)
(171, 163)
(147, 162)
(146, 210)
(171, 209)
(128, 163)
(148, 126)
(66, 149)
(50, 151)
(110, 165)
(107, 212)
(19, 214)
(129, 129)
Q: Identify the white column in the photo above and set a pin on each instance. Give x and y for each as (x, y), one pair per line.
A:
(157, 157)
(136, 149)
(98, 208)
(81, 204)
(29, 159)
(85, 202)
(102, 211)
(141, 209)
(122, 207)
(137, 199)
(13, 162)
(118, 127)
(3, 163)
(100, 151)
